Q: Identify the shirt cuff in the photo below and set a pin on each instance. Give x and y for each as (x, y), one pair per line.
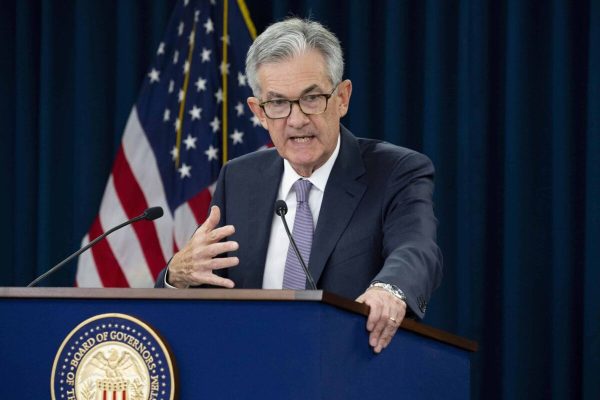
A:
(167, 284)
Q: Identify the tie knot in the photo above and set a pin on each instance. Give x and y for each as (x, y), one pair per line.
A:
(302, 188)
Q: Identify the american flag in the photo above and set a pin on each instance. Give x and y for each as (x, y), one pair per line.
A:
(175, 142)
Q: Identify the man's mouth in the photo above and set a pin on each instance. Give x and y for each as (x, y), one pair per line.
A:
(301, 139)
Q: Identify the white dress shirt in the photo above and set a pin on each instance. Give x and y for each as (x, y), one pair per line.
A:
(278, 241)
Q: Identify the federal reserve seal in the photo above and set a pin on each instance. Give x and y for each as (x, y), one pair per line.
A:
(112, 357)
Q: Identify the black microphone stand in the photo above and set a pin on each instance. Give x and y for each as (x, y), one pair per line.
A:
(281, 210)
(150, 214)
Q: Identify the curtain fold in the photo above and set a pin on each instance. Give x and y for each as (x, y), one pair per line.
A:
(504, 97)
(591, 221)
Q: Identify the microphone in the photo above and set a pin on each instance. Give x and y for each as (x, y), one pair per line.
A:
(281, 209)
(150, 214)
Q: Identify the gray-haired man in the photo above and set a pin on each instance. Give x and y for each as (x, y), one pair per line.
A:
(368, 204)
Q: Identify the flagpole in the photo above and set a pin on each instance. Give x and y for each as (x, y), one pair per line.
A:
(185, 86)
(224, 79)
(246, 14)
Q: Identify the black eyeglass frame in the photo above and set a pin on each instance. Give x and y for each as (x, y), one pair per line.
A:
(297, 101)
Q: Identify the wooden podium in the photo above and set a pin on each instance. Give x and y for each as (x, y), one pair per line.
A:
(239, 344)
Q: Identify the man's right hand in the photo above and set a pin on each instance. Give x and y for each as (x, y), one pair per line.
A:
(194, 264)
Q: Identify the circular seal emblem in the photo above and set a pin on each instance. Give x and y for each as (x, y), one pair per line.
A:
(112, 357)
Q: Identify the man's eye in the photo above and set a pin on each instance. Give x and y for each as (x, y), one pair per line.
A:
(311, 98)
(278, 103)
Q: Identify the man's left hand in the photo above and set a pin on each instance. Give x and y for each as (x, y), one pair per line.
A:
(386, 315)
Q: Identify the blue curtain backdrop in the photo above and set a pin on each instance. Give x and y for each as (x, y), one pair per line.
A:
(504, 96)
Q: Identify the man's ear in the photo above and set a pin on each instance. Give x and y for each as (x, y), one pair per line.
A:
(257, 110)
(344, 92)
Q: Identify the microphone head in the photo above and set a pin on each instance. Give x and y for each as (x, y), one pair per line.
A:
(153, 213)
(280, 208)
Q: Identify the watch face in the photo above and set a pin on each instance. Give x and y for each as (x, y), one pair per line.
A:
(397, 292)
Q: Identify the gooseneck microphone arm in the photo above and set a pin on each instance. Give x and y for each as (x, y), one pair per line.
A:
(281, 209)
(150, 214)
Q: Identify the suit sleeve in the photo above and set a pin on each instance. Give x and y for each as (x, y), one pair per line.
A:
(413, 261)
(218, 198)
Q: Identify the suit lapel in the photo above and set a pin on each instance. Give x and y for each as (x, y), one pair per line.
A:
(342, 195)
(262, 192)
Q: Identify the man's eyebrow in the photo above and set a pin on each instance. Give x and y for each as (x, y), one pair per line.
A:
(274, 95)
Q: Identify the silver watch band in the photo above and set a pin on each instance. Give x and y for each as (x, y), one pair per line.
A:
(392, 289)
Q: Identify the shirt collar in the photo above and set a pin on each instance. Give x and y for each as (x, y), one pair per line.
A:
(318, 178)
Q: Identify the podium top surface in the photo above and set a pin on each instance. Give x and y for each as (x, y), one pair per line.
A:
(233, 295)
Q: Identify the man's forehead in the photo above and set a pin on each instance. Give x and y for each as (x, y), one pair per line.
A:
(297, 74)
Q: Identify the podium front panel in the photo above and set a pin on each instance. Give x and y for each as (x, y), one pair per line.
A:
(226, 349)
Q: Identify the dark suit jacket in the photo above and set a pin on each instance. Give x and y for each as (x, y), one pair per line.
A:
(376, 220)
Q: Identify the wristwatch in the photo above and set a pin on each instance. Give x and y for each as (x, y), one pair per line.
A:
(393, 289)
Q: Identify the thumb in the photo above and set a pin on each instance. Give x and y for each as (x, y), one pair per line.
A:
(212, 221)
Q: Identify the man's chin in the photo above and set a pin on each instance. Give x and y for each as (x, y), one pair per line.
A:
(303, 166)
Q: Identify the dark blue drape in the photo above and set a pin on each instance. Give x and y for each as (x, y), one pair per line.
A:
(504, 96)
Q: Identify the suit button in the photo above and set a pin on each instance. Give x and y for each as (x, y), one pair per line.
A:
(422, 304)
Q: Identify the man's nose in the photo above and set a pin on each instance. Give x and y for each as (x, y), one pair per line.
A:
(297, 118)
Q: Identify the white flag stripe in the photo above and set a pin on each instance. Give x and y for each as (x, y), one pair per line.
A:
(87, 273)
(143, 164)
(212, 188)
(185, 224)
(124, 242)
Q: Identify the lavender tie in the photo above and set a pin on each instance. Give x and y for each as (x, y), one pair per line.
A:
(293, 276)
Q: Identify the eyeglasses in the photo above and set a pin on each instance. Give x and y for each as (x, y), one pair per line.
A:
(310, 104)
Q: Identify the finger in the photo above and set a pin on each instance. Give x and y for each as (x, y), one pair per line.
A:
(215, 249)
(212, 221)
(380, 325)
(221, 233)
(387, 335)
(222, 262)
(216, 280)
(399, 310)
(374, 311)
(375, 335)
(374, 314)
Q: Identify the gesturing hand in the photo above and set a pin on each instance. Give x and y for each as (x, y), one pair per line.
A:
(195, 263)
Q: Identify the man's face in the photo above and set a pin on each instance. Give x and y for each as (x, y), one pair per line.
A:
(306, 141)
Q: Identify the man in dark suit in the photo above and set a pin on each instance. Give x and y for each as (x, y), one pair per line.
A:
(361, 209)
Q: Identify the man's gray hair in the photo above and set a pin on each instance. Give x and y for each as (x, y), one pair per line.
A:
(290, 38)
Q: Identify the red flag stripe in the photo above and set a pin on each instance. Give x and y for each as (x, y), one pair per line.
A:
(133, 202)
(140, 155)
(112, 275)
